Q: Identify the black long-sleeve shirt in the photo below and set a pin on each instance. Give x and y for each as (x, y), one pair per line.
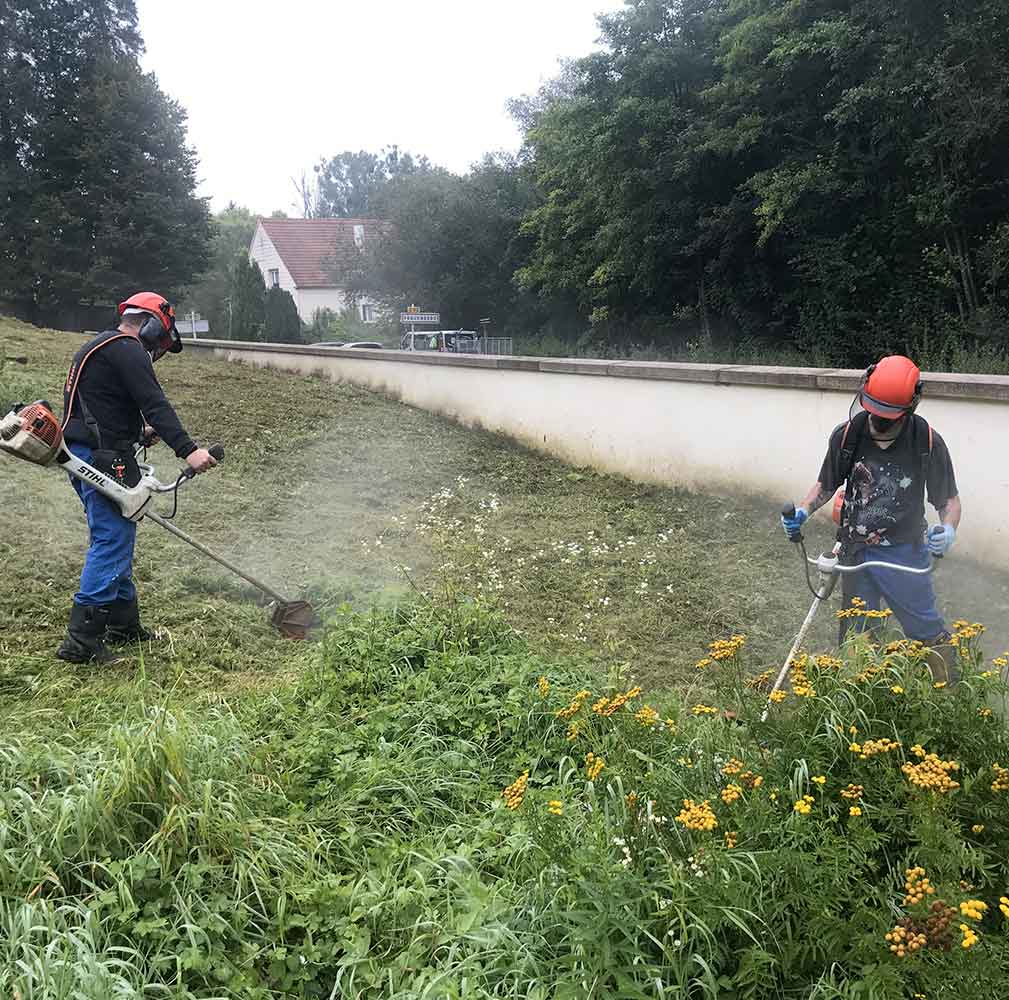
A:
(121, 392)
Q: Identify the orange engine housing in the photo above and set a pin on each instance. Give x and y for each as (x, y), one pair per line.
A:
(32, 433)
(838, 505)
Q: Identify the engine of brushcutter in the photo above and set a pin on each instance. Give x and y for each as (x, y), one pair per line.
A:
(32, 432)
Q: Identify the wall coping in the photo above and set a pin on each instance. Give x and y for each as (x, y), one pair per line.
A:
(948, 385)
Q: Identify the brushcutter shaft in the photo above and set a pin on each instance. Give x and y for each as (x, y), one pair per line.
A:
(179, 533)
(796, 646)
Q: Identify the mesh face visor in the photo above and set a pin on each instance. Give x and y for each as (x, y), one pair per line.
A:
(168, 343)
(888, 411)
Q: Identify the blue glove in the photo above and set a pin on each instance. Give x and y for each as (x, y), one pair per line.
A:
(941, 539)
(793, 525)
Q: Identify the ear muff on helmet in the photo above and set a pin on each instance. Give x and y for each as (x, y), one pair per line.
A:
(157, 340)
(151, 333)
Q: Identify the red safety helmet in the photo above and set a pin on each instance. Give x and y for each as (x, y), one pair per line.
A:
(891, 388)
(157, 333)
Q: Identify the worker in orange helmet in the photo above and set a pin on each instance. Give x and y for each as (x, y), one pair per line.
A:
(889, 459)
(111, 401)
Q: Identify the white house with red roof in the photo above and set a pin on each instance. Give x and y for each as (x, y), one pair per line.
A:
(302, 255)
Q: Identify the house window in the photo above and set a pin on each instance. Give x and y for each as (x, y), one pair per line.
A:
(274, 276)
(359, 237)
(367, 313)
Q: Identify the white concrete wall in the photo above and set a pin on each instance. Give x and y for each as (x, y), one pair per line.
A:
(702, 434)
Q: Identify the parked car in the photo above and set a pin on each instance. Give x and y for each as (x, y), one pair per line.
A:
(329, 343)
(369, 345)
(454, 341)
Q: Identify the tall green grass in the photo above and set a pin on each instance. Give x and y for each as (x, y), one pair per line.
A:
(346, 836)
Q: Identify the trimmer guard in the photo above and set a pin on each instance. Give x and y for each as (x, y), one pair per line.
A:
(294, 619)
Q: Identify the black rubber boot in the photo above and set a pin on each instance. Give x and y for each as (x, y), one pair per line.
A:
(124, 624)
(85, 641)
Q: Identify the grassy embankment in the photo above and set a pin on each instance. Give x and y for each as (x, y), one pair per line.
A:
(233, 815)
(315, 469)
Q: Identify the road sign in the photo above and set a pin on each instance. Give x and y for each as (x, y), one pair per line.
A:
(419, 317)
(190, 326)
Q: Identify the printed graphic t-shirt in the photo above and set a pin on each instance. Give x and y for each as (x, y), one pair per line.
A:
(885, 502)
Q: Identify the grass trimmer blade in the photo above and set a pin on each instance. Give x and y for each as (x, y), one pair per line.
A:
(293, 619)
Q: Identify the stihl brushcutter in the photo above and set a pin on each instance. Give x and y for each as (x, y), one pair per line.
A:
(33, 433)
(829, 569)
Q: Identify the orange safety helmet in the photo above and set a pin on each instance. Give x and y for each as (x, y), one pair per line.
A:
(158, 333)
(891, 388)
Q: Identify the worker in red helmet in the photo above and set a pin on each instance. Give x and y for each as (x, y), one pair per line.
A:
(111, 401)
(889, 459)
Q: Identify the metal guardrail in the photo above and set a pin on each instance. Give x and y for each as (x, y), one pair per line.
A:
(494, 345)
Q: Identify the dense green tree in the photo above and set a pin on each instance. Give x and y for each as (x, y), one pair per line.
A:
(619, 225)
(112, 200)
(821, 171)
(247, 303)
(879, 179)
(347, 185)
(453, 243)
(281, 323)
(232, 230)
(96, 184)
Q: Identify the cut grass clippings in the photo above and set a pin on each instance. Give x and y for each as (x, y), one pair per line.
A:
(316, 472)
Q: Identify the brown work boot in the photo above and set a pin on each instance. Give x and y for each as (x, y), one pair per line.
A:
(85, 641)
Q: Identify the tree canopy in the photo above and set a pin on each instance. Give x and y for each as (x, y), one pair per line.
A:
(829, 176)
(824, 172)
(454, 243)
(349, 184)
(97, 187)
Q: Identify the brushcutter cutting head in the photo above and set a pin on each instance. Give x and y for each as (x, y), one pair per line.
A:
(294, 619)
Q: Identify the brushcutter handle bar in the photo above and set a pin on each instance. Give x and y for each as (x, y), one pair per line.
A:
(829, 563)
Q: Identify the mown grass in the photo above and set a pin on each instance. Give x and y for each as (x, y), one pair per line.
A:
(316, 469)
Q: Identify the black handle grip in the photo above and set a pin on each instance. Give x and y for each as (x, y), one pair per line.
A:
(216, 452)
(789, 511)
(939, 556)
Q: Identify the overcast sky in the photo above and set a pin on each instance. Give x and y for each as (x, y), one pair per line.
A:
(271, 87)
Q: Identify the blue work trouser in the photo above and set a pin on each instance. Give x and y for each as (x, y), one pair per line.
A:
(108, 566)
(910, 597)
